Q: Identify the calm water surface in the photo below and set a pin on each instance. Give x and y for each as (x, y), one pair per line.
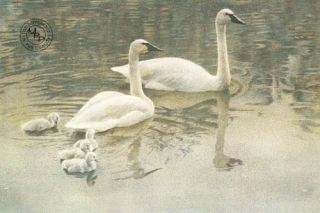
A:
(253, 149)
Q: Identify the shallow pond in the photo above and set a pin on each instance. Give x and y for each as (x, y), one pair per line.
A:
(254, 148)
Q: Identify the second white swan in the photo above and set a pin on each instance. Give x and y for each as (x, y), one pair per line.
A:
(172, 73)
(107, 110)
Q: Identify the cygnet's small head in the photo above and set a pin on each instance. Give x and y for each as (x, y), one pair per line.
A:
(141, 46)
(53, 118)
(91, 156)
(226, 16)
(85, 146)
(90, 134)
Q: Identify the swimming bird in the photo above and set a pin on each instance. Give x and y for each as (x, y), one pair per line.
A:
(170, 73)
(80, 165)
(85, 147)
(111, 109)
(41, 124)
(89, 137)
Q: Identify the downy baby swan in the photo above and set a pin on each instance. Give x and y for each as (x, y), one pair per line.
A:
(171, 73)
(80, 165)
(107, 110)
(85, 147)
(41, 124)
(89, 137)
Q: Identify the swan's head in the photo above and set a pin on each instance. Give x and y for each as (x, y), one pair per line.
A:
(226, 16)
(90, 134)
(85, 146)
(53, 118)
(91, 156)
(141, 46)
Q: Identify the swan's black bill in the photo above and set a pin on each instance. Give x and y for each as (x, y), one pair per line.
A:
(235, 19)
(151, 47)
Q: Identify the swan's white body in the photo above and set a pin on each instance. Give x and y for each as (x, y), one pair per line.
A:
(85, 147)
(107, 110)
(179, 74)
(81, 165)
(90, 138)
(173, 74)
(41, 124)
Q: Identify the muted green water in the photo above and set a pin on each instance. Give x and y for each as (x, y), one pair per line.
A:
(179, 161)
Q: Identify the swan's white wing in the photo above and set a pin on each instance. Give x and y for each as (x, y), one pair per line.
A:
(115, 111)
(171, 74)
(98, 98)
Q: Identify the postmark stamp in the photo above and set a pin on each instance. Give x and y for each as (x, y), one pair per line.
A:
(36, 35)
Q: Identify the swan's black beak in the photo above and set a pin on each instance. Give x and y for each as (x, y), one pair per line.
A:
(235, 19)
(152, 47)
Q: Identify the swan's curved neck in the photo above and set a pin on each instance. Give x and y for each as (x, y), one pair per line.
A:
(135, 78)
(223, 63)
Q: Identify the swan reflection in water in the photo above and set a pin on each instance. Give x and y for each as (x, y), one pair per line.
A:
(90, 177)
(180, 100)
(132, 138)
(134, 164)
(220, 160)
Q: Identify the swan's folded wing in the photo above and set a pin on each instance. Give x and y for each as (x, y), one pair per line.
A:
(107, 113)
(174, 74)
(99, 98)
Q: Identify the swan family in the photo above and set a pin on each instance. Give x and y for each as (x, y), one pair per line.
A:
(111, 109)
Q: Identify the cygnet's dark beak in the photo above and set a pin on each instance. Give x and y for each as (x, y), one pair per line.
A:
(152, 47)
(235, 19)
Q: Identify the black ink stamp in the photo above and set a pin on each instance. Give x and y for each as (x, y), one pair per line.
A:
(36, 35)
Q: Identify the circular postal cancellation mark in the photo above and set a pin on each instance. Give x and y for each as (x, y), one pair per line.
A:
(36, 35)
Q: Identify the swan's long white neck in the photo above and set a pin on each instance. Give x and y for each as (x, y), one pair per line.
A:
(135, 78)
(223, 72)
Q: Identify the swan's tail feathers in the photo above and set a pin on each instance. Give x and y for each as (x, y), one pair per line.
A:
(124, 70)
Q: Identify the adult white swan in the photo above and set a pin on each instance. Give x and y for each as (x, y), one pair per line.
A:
(179, 74)
(107, 110)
